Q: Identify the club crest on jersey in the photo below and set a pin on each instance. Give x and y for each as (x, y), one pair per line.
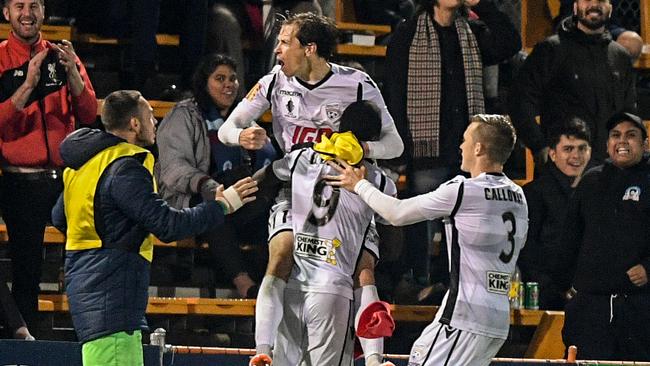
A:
(290, 106)
(333, 111)
(632, 193)
(51, 69)
(317, 248)
(417, 354)
(498, 282)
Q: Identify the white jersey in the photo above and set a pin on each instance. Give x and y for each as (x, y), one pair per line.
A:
(329, 224)
(486, 222)
(486, 228)
(303, 112)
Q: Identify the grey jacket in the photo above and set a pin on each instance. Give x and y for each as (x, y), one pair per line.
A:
(184, 154)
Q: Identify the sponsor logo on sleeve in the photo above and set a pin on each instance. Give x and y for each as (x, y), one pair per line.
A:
(253, 92)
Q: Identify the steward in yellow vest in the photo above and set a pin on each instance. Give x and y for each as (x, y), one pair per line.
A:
(109, 209)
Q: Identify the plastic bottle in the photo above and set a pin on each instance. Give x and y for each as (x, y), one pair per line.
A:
(515, 295)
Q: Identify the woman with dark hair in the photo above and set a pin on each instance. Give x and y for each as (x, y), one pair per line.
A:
(193, 163)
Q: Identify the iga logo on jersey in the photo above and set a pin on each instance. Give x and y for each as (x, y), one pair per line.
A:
(498, 282)
(317, 248)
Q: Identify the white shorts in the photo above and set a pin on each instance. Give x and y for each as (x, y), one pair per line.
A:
(442, 345)
(316, 329)
(280, 220)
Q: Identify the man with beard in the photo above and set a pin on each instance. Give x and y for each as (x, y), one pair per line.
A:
(580, 72)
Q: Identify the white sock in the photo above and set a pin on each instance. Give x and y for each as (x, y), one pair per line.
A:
(268, 312)
(362, 298)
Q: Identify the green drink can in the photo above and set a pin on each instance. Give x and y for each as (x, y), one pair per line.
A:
(532, 296)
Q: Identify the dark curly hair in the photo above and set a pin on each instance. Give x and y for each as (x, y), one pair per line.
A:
(206, 67)
(316, 29)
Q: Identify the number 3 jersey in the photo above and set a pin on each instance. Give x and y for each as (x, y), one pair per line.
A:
(329, 223)
(486, 222)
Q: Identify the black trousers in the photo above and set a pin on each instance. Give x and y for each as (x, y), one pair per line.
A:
(26, 202)
(605, 327)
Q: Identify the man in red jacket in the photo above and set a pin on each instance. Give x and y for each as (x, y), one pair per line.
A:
(44, 93)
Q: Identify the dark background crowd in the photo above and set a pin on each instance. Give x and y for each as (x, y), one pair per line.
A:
(579, 81)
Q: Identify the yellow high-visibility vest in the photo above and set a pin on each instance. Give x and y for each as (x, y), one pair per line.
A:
(79, 189)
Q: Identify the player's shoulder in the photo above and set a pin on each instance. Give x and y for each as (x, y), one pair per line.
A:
(455, 181)
(379, 179)
(352, 74)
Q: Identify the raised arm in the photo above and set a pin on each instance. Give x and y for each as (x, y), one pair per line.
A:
(390, 143)
(240, 128)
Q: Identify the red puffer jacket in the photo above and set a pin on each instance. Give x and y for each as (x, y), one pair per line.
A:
(30, 137)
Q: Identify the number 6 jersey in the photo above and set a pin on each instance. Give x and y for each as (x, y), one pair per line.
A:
(329, 224)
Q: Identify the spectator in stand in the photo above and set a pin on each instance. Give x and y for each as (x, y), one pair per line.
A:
(228, 22)
(139, 21)
(434, 80)
(193, 162)
(44, 94)
(628, 38)
(109, 210)
(605, 243)
(578, 72)
(280, 10)
(390, 12)
(548, 196)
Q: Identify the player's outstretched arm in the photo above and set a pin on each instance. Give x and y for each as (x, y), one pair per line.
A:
(237, 195)
(396, 212)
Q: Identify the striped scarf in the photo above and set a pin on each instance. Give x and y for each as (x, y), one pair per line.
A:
(425, 77)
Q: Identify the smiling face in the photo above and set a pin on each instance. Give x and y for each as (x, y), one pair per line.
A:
(223, 86)
(626, 144)
(571, 155)
(25, 17)
(289, 52)
(592, 14)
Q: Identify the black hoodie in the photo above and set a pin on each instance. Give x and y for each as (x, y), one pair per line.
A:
(607, 229)
(572, 74)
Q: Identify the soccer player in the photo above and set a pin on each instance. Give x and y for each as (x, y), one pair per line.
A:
(329, 226)
(486, 220)
(306, 94)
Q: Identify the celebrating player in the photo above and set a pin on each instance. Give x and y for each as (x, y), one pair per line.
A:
(329, 226)
(486, 221)
(307, 95)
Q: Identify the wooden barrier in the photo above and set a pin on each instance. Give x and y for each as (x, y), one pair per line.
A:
(546, 343)
(54, 236)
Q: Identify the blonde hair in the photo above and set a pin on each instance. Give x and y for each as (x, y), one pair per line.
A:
(497, 133)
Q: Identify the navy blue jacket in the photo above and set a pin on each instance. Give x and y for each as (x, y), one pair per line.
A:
(107, 288)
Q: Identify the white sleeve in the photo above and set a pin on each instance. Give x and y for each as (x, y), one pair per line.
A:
(247, 111)
(390, 143)
(428, 206)
(282, 168)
